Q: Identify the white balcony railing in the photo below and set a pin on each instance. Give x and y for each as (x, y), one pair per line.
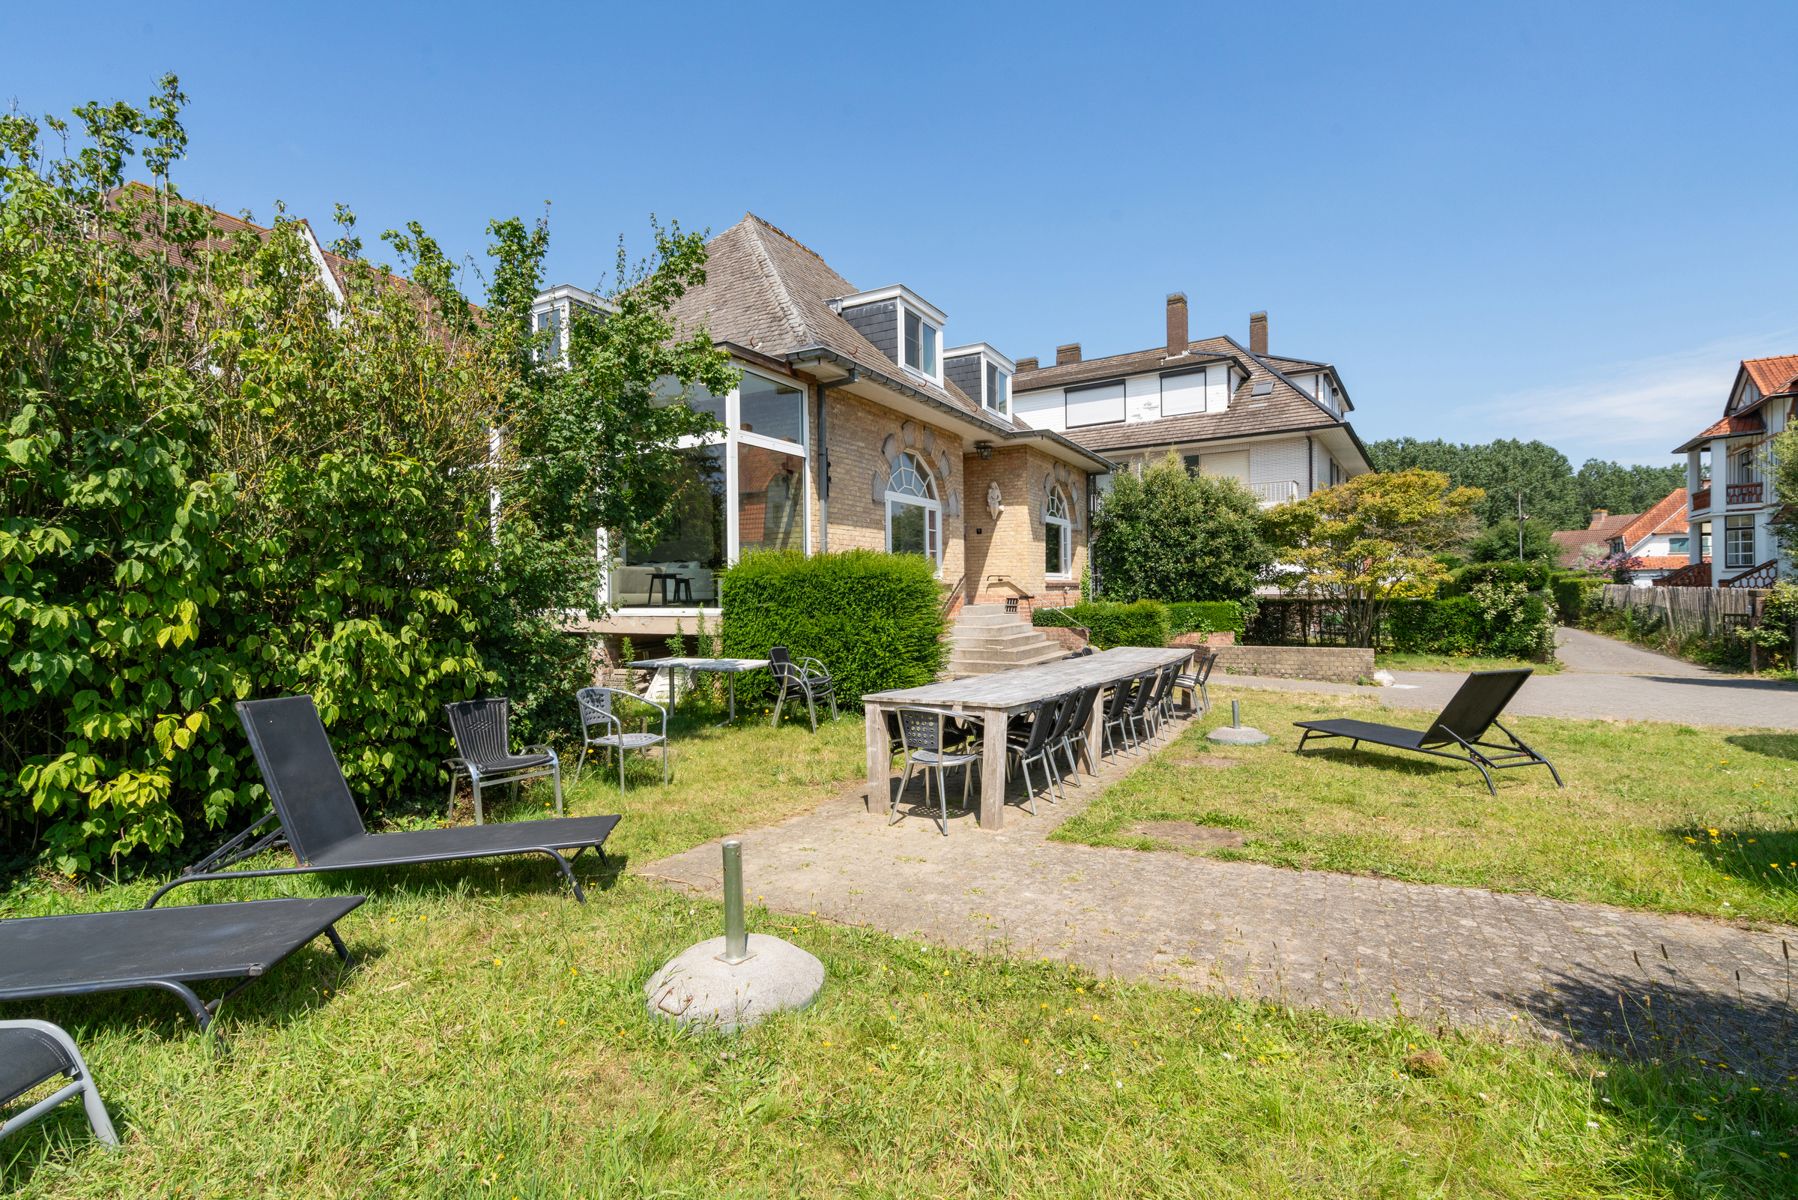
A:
(1279, 492)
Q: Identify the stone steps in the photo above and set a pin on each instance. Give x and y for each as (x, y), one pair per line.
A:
(985, 638)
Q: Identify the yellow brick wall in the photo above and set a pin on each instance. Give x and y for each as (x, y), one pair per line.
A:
(1011, 547)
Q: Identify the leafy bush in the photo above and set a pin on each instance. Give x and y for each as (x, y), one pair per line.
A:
(1576, 596)
(875, 620)
(1170, 535)
(1142, 623)
(1499, 619)
(1532, 576)
(1206, 616)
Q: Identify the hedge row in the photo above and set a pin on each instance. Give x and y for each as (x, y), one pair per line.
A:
(1458, 625)
(1144, 622)
(875, 620)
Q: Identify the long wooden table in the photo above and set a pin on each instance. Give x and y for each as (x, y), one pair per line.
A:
(993, 700)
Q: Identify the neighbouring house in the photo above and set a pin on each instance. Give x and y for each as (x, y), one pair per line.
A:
(1655, 544)
(1732, 500)
(1278, 425)
(856, 424)
(1585, 547)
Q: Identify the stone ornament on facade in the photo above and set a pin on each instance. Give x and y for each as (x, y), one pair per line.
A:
(1058, 476)
(995, 503)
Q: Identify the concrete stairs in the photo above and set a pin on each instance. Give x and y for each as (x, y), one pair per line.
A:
(985, 638)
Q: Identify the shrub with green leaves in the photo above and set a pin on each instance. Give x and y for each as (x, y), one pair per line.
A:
(875, 620)
(1141, 623)
(1497, 619)
(1168, 534)
(1207, 616)
(1576, 596)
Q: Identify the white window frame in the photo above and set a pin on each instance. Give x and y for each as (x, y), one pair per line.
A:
(1123, 402)
(1062, 530)
(1733, 525)
(731, 437)
(932, 504)
(936, 332)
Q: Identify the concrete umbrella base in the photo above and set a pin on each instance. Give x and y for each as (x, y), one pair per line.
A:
(697, 988)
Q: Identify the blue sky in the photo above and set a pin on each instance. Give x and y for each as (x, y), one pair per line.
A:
(1563, 221)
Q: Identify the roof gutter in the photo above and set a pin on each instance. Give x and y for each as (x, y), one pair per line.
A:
(818, 354)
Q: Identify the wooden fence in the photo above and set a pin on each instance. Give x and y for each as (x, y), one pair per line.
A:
(1690, 609)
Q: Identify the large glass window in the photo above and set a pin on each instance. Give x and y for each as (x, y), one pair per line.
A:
(1058, 535)
(998, 389)
(742, 488)
(681, 567)
(1738, 542)
(920, 344)
(770, 499)
(772, 408)
(914, 513)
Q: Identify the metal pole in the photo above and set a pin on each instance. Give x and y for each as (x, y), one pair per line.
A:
(1236, 714)
(736, 937)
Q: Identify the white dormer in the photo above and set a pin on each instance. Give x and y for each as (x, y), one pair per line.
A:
(916, 339)
(984, 374)
(551, 314)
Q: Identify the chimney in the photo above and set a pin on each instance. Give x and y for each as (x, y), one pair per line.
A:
(1177, 341)
(1258, 333)
(1026, 364)
(1069, 353)
(1598, 516)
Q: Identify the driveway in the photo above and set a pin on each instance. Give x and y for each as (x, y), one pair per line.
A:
(1600, 677)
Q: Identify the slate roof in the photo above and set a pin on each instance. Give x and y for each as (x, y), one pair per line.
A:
(1285, 407)
(769, 293)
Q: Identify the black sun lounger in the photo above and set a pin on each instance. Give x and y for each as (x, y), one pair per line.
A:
(1459, 732)
(32, 1052)
(170, 949)
(317, 817)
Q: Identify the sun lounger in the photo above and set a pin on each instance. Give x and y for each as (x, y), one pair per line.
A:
(168, 949)
(1459, 732)
(33, 1052)
(316, 816)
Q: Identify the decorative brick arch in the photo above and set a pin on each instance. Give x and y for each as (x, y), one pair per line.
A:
(921, 443)
(1057, 475)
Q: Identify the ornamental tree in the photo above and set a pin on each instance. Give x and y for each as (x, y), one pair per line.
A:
(1169, 534)
(1371, 540)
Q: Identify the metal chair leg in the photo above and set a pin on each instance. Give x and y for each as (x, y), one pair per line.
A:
(475, 783)
(555, 776)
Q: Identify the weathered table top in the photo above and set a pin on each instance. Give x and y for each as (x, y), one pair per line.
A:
(723, 665)
(1019, 689)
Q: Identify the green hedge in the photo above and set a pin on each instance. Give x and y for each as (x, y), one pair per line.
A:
(1457, 625)
(1141, 623)
(1576, 596)
(1206, 616)
(875, 620)
(1534, 576)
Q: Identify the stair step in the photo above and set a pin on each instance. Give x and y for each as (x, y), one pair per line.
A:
(994, 637)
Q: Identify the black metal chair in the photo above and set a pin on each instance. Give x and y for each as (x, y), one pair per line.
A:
(599, 711)
(924, 738)
(482, 730)
(1193, 684)
(34, 1052)
(1142, 691)
(1458, 732)
(1117, 710)
(806, 679)
(317, 818)
(1157, 710)
(1035, 743)
(1071, 739)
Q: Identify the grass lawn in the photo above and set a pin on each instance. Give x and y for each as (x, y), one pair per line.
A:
(1663, 817)
(491, 1041)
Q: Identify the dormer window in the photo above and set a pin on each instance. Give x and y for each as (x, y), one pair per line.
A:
(998, 390)
(983, 374)
(921, 342)
(546, 323)
(552, 313)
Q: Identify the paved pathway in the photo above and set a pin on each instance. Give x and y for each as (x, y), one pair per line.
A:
(1601, 677)
(1657, 985)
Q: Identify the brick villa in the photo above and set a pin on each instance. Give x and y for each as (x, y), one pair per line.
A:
(857, 425)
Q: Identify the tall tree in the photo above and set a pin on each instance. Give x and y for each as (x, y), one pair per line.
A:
(1620, 489)
(1501, 469)
(1169, 534)
(1373, 539)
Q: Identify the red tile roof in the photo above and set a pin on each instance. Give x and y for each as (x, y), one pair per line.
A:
(1668, 513)
(1573, 542)
(1661, 562)
(1736, 426)
(1775, 375)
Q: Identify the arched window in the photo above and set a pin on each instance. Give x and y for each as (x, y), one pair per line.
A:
(1058, 535)
(914, 513)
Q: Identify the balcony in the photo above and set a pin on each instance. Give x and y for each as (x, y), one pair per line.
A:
(1744, 493)
(1279, 492)
(1701, 499)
